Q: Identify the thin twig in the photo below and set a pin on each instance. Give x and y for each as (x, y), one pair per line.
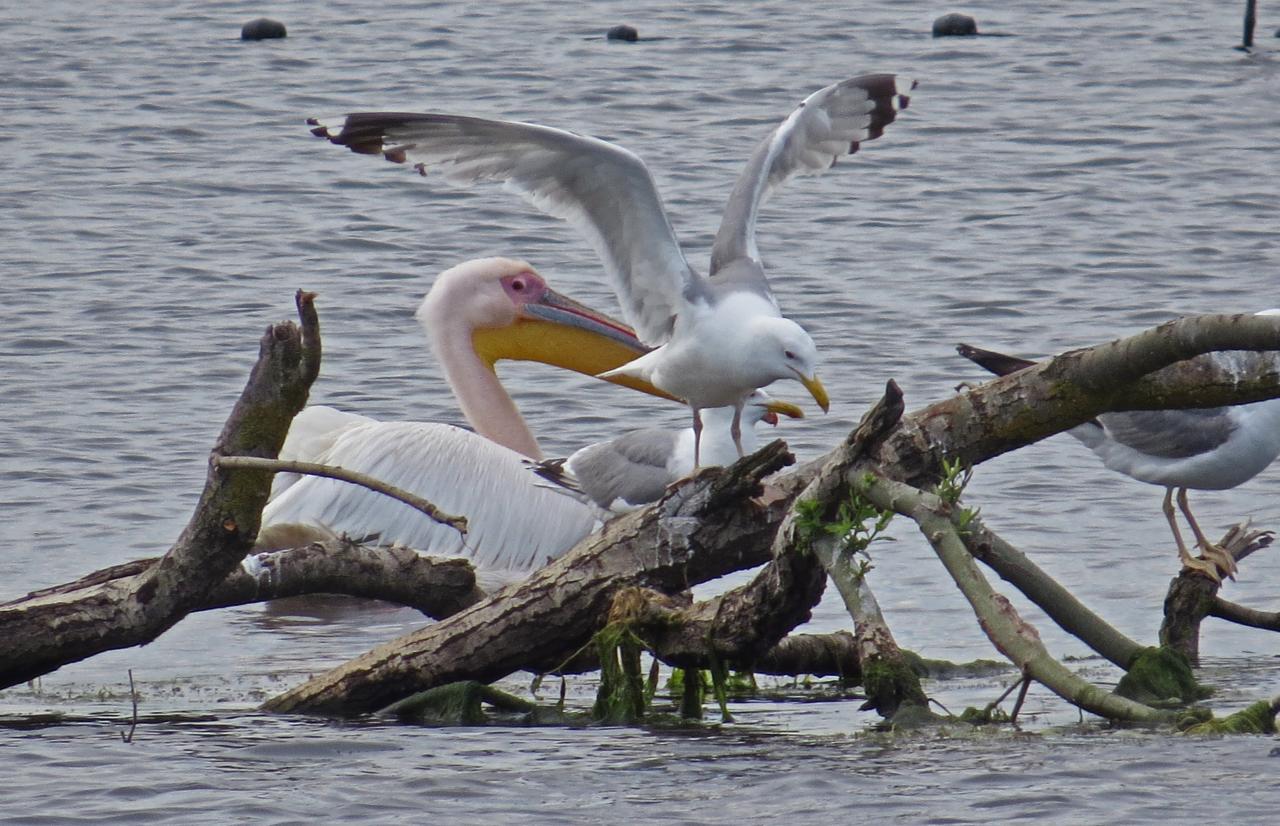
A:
(458, 523)
(1022, 696)
(1022, 682)
(1016, 683)
(133, 725)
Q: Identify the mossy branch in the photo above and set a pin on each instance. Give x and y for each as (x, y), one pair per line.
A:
(1071, 615)
(1011, 635)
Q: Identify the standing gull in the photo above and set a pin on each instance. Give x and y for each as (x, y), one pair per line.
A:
(717, 338)
(634, 469)
(1212, 448)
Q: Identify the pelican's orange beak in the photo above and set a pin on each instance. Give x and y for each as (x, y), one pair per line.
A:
(554, 329)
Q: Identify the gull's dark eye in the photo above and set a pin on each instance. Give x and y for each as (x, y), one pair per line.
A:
(790, 355)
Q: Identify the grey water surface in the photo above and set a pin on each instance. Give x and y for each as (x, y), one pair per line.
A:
(1105, 168)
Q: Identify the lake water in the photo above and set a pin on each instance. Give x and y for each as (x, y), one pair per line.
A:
(1102, 169)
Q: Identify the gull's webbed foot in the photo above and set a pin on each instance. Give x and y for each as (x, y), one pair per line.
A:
(1220, 558)
(1200, 566)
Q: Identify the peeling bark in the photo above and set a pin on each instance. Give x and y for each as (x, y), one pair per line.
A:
(435, 586)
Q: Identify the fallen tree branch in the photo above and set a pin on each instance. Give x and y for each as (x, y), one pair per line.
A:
(1134, 373)
(739, 624)
(458, 523)
(981, 424)
(1061, 606)
(1011, 635)
(436, 586)
(703, 529)
(887, 677)
(822, 655)
(1253, 618)
(667, 547)
(41, 634)
(1143, 362)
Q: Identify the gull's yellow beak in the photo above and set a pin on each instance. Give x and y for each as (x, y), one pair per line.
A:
(554, 329)
(815, 388)
(780, 408)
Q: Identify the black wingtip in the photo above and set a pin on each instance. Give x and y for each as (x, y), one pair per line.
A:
(888, 97)
(993, 362)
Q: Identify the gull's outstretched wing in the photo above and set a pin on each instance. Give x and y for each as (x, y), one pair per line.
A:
(831, 122)
(603, 190)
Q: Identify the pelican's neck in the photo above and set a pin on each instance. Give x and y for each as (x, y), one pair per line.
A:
(484, 401)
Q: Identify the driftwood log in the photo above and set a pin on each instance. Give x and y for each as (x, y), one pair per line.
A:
(435, 586)
(719, 522)
(695, 532)
(46, 632)
(542, 621)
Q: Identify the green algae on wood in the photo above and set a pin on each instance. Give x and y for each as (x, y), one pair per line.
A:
(1160, 676)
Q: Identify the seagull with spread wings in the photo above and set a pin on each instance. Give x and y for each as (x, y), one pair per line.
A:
(716, 337)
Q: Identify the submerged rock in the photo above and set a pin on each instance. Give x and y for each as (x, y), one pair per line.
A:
(955, 25)
(624, 32)
(263, 28)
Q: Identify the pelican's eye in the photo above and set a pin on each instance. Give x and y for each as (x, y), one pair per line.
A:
(518, 285)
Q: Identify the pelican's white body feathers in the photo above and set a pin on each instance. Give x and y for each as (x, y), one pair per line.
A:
(514, 524)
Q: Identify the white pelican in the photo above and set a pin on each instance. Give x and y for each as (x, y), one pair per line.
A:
(476, 313)
(634, 469)
(1212, 448)
(718, 337)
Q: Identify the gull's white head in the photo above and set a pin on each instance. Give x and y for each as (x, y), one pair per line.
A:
(781, 349)
(761, 407)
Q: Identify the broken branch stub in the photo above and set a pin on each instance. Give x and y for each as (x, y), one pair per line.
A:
(41, 634)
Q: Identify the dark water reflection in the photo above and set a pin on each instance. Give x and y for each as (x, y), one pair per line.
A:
(1102, 170)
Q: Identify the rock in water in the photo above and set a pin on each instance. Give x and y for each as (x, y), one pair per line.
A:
(955, 25)
(262, 29)
(627, 33)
